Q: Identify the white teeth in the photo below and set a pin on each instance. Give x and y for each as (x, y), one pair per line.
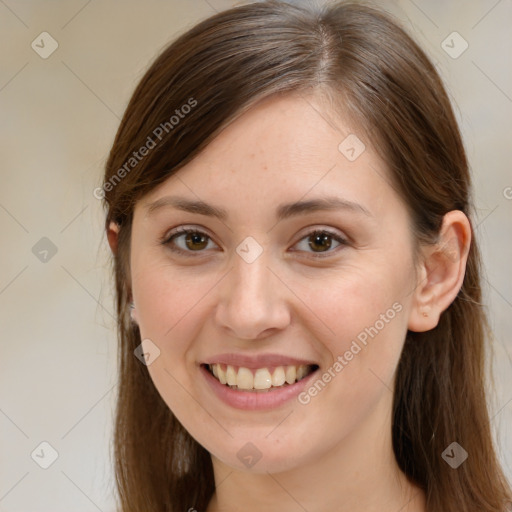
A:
(278, 378)
(291, 374)
(244, 379)
(261, 379)
(230, 375)
(221, 374)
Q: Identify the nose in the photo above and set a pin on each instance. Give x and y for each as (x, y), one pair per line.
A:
(253, 300)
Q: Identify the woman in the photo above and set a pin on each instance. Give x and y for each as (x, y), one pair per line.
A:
(297, 278)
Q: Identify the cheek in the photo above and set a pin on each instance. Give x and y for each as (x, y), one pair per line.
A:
(171, 312)
(164, 298)
(168, 304)
(366, 316)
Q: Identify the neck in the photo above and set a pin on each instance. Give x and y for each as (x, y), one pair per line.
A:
(358, 474)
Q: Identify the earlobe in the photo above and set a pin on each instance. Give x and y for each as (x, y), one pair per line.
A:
(112, 236)
(442, 272)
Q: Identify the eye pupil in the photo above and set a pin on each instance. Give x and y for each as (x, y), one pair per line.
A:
(321, 238)
(195, 238)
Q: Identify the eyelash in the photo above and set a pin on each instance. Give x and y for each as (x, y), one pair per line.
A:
(168, 239)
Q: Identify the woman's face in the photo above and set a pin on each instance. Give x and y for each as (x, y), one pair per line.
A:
(258, 290)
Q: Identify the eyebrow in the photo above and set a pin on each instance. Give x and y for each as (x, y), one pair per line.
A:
(283, 211)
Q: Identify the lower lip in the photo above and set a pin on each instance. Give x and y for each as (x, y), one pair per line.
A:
(255, 400)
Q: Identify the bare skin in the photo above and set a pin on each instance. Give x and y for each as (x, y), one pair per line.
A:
(333, 452)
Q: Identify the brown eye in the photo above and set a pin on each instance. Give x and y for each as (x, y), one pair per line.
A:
(320, 241)
(193, 241)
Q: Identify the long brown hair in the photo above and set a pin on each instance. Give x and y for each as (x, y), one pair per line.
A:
(376, 74)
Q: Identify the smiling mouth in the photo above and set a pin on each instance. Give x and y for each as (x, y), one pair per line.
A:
(260, 379)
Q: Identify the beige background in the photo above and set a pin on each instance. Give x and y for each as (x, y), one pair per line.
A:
(58, 119)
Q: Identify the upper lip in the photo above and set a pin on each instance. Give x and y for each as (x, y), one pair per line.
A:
(257, 360)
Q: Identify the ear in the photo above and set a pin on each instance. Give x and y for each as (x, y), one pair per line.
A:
(112, 235)
(441, 272)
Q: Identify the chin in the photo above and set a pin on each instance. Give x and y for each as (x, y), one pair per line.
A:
(260, 456)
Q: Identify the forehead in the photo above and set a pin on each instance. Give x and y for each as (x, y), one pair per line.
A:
(283, 149)
(282, 130)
